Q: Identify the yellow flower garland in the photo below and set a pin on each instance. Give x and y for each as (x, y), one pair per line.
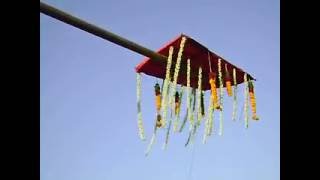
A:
(214, 96)
(253, 102)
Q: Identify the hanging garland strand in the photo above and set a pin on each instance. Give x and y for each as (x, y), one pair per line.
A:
(165, 87)
(199, 113)
(199, 96)
(214, 102)
(189, 111)
(176, 109)
(220, 97)
(208, 124)
(246, 118)
(214, 94)
(167, 135)
(253, 101)
(234, 107)
(176, 70)
(152, 141)
(174, 85)
(202, 104)
(159, 122)
(211, 118)
(228, 81)
(185, 119)
(192, 125)
(178, 100)
(140, 121)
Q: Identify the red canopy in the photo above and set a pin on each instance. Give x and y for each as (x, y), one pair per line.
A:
(198, 55)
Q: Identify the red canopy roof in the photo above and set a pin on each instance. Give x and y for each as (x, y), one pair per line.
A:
(198, 55)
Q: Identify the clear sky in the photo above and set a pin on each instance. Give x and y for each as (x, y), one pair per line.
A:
(88, 91)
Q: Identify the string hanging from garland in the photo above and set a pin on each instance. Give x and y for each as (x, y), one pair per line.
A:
(196, 69)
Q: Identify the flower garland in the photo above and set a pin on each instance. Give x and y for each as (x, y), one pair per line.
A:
(192, 123)
(199, 114)
(140, 121)
(214, 96)
(199, 95)
(167, 135)
(208, 124)
(189, 97)
(176, 70)
(211, 116)
(192, 109)
(246, 119)
(202, 104)
(174, 84)
(234, 107)
(228, 81)
(185, 119)
(253, 101)
(159, 122)
(152, 141)
(165, 87)
(220, 97)
(158, 97)
(178, 100)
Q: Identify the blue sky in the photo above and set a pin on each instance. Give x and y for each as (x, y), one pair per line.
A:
(88, 91)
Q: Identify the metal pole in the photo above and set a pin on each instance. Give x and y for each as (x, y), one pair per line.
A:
(104, 34)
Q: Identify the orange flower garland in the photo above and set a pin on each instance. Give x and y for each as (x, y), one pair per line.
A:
(228, 81)
(214, 95)
(177, 103)
(159, 122)
(253, 101)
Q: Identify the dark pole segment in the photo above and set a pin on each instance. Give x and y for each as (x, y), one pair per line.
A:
(104, 34)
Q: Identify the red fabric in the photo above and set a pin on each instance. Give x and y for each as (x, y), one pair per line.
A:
(198, 55)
